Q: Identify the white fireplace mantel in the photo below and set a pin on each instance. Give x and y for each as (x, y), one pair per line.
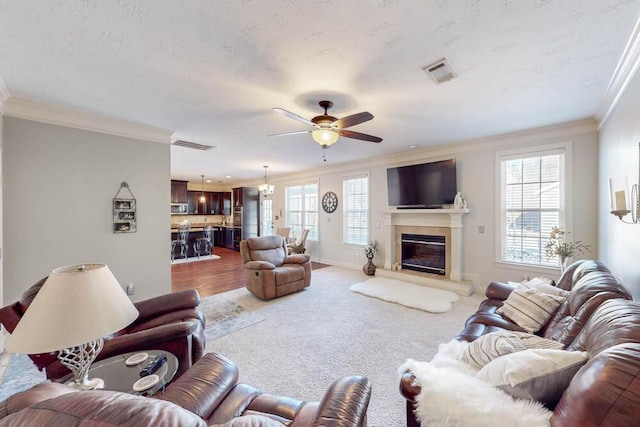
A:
(448, 218)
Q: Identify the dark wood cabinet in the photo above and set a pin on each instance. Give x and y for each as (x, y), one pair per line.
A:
(178, 191)
(196, 207)
(215, 203)
(228, 238)
(237, 197)
(218, 237)
(225, 204)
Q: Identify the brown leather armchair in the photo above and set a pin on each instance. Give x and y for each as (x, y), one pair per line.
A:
(269, 272)
(170, 322)
(207, 394)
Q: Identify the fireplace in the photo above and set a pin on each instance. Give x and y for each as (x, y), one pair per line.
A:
(424, 253)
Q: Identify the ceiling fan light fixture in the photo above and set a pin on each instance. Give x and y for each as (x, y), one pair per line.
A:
(325, 137)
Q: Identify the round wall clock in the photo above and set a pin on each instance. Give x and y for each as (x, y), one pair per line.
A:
(329, 201)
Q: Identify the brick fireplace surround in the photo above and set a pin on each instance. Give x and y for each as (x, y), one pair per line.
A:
(436, 222)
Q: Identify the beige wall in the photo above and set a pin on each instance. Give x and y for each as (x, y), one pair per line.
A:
(58, 188)
(476, 180)
(619, 137)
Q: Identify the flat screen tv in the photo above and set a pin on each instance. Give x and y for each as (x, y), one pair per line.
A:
(422, 186)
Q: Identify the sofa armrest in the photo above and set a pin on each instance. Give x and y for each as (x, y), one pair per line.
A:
(34, 395)
(147, 339)
(499, 290)
(297, 259)
(203, 387)
(345, 403)
(167, 303)
(259, 265)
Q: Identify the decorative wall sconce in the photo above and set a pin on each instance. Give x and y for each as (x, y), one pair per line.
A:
(621, 203)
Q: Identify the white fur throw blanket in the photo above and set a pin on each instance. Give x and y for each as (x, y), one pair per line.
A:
(452, 396)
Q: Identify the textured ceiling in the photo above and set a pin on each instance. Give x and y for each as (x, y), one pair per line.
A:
(212, 70)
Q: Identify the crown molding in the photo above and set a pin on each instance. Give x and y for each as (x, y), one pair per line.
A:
(4, 95)
(622, 76)
(94, 122)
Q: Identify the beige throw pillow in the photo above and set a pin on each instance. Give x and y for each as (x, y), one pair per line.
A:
(537, 374)
(529, 307)
(490, 346)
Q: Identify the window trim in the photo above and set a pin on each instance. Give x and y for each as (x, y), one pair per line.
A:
(343, 178)
(567, 195)
(315, 181)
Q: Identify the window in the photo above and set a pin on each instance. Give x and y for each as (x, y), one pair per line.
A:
(302, 209)
(532, 202)
(267, 217)
(355, 208)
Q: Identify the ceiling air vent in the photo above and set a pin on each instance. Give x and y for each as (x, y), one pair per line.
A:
(440, 71)
(193, 145)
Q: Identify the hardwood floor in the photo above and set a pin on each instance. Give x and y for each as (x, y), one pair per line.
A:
(212, 277)
(209, 277)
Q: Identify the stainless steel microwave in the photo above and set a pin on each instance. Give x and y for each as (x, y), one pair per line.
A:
(178, 208)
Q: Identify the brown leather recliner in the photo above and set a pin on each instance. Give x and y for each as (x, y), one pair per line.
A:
(598, 317)
(269, 272)
(207, 394)
(170, 322)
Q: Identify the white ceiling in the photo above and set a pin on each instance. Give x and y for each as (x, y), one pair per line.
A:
(212, 70)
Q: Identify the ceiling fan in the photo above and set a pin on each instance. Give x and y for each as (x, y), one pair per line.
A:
(327, 128)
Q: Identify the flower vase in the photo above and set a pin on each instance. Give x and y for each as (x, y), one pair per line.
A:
(369, 268)
(563, 263)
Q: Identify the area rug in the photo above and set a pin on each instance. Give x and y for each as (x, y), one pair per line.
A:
(224, 317)
(195, 259)
(19, 374)
(310, 338)
(407, 294)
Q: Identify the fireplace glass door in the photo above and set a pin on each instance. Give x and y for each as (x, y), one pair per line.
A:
(424, 253)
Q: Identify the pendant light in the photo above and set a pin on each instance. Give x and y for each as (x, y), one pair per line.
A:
(265, 188)
(202, 199)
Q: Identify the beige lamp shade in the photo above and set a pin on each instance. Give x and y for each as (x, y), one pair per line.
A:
(77, 304)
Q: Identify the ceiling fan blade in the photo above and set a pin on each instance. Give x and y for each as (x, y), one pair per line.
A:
(352, 120)
(291, 133)
(358, 135)
(293, 116)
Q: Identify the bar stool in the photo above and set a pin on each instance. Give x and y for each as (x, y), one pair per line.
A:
(204, 240)
(181, 241)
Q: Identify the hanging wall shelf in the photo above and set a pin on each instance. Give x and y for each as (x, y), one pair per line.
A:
(124, 211)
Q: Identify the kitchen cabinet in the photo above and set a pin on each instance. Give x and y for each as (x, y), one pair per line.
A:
(215, 203)
(225, 206)
(218, 237)
(228, 238)
(194, 206)
(238, 197)
(178, 191)
(215, 200)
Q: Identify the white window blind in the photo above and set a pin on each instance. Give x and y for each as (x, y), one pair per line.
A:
(532, 204)
(301, 206)
(355, 192)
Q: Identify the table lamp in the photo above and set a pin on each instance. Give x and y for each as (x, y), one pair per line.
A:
(75, 309)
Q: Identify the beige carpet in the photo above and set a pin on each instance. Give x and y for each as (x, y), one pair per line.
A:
(310, 338)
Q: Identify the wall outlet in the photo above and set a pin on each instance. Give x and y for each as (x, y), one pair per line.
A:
(130, 289)
(481, 229)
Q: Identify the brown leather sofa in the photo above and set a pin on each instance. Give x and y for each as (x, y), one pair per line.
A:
(269, 272)
(207, 394)
(170, 322)
(598, 317)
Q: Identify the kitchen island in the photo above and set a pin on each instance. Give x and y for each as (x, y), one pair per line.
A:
(220, 234)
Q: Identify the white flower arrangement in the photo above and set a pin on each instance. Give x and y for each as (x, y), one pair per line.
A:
(371, 249)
